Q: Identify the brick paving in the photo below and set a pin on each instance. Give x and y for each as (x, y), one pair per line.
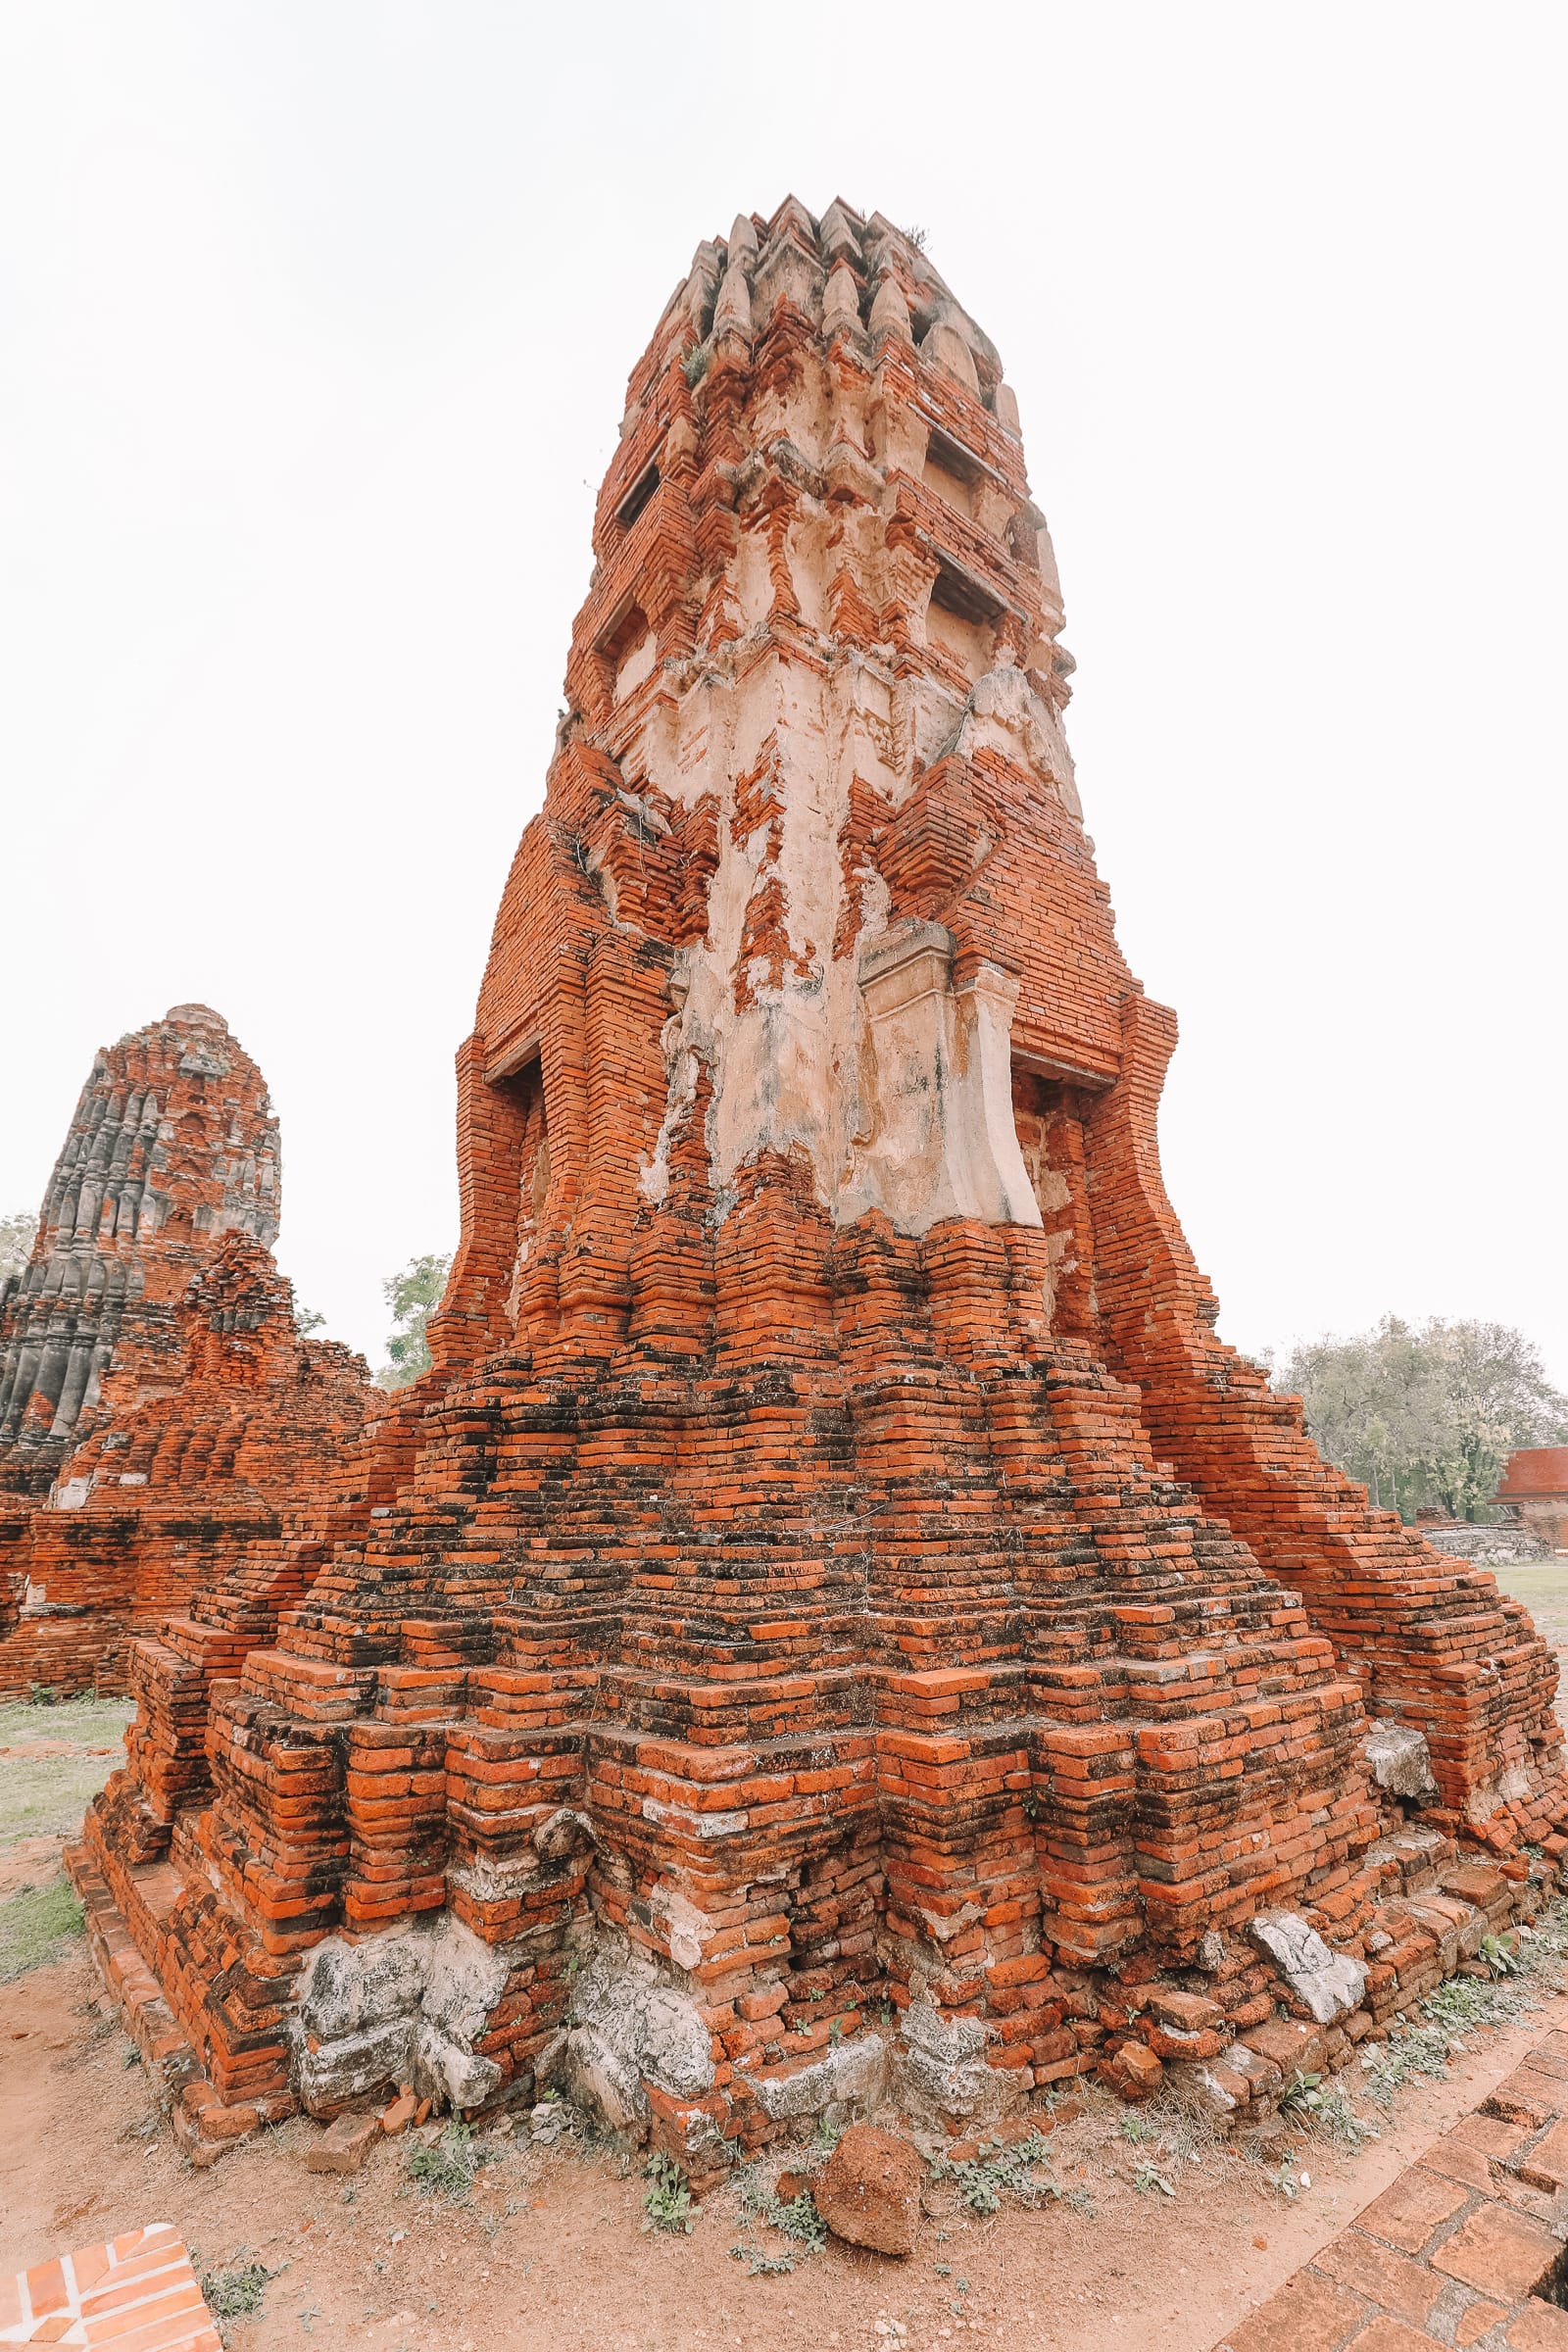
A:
(1461, 2250)
(137, 2293)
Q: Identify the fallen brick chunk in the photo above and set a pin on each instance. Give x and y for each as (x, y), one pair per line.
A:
(1133, 2071)
(400, 2115)
(1289, 2043)
(869, 2192)
(345, 2145)
(1184, 2012)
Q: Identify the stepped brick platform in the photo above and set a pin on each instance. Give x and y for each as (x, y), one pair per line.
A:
(137, 2294)
(163, 1419)
(1465, 2249)
(835, 1624)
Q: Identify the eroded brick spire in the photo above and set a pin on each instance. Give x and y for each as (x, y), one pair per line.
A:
(174, 1143)
(835, 1623)
(159, 1415)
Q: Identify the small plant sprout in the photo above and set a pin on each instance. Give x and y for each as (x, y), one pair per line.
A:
(668, 2202)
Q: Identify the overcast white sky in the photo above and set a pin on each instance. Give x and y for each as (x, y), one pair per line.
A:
(314, 323)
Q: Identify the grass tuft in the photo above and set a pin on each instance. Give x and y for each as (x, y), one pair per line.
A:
(235, 2293)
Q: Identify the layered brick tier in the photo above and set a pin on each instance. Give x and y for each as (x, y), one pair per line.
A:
(834, 1613)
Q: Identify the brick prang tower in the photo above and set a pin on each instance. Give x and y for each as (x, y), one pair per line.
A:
(835, 1613)
(174, 1143)
(164, 1420)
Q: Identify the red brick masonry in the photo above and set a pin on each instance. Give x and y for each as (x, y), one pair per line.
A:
(1458, 2250)
(161, 1418)
(835, 1621)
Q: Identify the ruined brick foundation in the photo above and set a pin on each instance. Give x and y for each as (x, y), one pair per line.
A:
(835, 1626)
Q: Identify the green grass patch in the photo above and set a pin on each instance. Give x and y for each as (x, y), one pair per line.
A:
(95, 1722)
(46, 1795)
(34, 1923)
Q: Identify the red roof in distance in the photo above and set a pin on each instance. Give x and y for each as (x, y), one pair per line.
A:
(1535, 1470)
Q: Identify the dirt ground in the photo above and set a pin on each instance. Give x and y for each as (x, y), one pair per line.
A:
(1161, 2242)
(548, 2251)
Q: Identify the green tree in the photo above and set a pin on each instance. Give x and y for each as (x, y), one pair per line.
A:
(1428, 1413)
(410, 1294)
(17, 1236)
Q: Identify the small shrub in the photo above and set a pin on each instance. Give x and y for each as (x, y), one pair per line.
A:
(235, 2293)
(694, 367)
(984, 2180)
(797, 2221)
(1147, 2176)
(668, 2202)
(1303, 2096)
(450, 2168)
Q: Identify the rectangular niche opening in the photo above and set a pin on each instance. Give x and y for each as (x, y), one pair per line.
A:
(958, 592)
(637, 497)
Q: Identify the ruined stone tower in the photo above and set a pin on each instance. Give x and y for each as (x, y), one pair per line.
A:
(174, 1143)
(834, 1604)
(157, 1404)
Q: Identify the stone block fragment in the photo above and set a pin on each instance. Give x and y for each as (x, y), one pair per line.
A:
(345, 2143)
(1330, 1984)
(1401, 1759)
(869, 2191)
(1133, 2071)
